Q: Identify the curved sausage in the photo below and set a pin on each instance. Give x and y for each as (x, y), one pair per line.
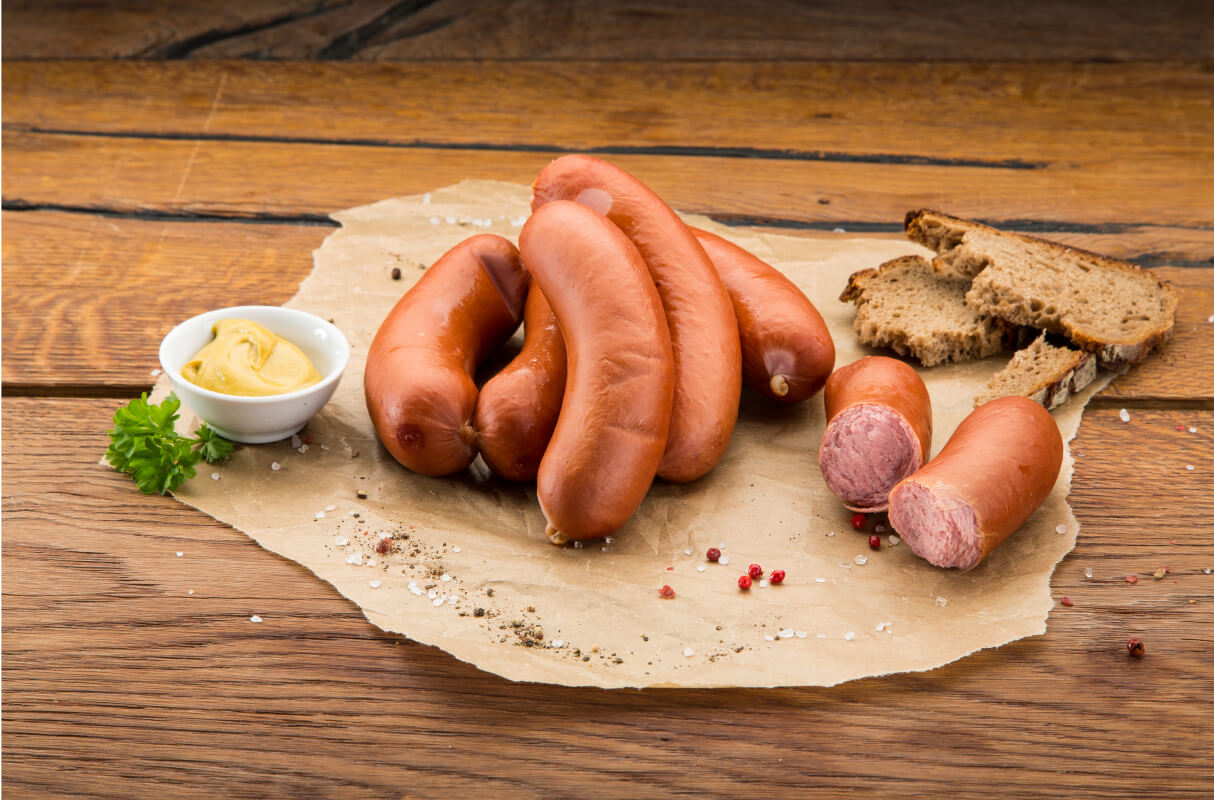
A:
(878, 430)
(418, 378)
(996, 469)
(517, 407)
(787, 352)
(703, 329)
(615, 415)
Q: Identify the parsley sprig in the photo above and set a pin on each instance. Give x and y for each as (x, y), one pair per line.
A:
(144, 444)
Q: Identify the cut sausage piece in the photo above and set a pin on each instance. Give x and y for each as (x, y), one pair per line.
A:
(787, 352)
(878, 430)
(615, 415)
(418, 379)
(703, 328)
(996, 469)
(518, 407)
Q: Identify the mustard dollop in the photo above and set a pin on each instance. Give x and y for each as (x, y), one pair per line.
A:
(246, 359)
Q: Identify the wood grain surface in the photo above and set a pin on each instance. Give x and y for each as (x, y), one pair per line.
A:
(379, 30)
(137, 193)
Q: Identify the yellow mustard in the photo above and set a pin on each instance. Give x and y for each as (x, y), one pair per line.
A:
(246, 359)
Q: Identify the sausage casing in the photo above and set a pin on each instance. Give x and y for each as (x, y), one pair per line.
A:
(703, 329)
(992, 474)
(418, 379)
(615, 415)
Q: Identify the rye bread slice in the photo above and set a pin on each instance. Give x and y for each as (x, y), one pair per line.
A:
(908, 306)
(1043, 373)
(1112, 308)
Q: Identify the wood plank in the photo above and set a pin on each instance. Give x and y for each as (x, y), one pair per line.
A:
(87, 298)
(1132, 118)
(377, 30)
(212, 178)
(118, 683)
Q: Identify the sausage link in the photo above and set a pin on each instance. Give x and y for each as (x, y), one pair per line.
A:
(878, 430)
(703, 329)
(518, 407)
(418, 379)
(787, 352)
(996, 469)
(615, 415)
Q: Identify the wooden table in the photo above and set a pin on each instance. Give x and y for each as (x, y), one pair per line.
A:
(139, 192)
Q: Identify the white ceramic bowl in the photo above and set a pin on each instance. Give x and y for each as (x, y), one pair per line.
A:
(258, 419)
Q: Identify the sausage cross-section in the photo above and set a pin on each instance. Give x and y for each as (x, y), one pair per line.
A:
(992, 474)
(878, 430)
(619, 390)
(703, 329)
(418, 379)
(518, 407)
(787, 352)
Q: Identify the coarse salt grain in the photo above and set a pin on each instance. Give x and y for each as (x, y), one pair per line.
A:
(787, 633)
(426, 199)
(941, 601)
(879, 529)
(1061, 529)
(608, 539)
(1192, 430)
(701, 568)
(180, 554)
(455, 549)
(1210, 318)
(295, 440)
(861, 560)
(832, 533)
(880, 627)
(254, 618)
(838, 230)
(763, 584)
(1206, 571)
(444, 577)
(375, 584)
(385, 536)
(434, 220)
(330, 507)
(303, 448)
(687, 551)
(452, 600)
(155, 372)
(191, 591)
(820, 580)
(214, 476)
(849, 635)
(723, 560)
(822, 636)
(558, 642)
(687, 651)
(438, 601)
(325, 447)
(433, 593)
(274, 465)
(1087, 572)
(768, 637)
(354, 558)
(450, 220)
(1125, 415)
(341, 541)
(802, 634)
(320, 515)
(1189, 467)
(893, 540)
(371, 562)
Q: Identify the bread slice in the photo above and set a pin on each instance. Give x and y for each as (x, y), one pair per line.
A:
(907, 305)
(1043, 373)
(1112, 308)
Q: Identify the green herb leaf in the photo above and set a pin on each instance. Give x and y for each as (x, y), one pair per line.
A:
(145, 445)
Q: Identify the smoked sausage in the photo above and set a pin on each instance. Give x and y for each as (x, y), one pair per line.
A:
(878, 430)
(518, 407)
(619, 391)
(996, 469)
(787, 352)
(703, 328)
(418, 379)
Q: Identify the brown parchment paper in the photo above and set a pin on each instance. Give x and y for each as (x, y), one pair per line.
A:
(477, 578)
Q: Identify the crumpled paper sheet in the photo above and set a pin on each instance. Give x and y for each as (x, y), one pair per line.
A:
(476, 577)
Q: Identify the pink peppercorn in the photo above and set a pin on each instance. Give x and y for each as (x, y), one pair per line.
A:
(777, 576)
(744, 582)
(713, 554)
(755, 571)
(874, 542)
(858, 521)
